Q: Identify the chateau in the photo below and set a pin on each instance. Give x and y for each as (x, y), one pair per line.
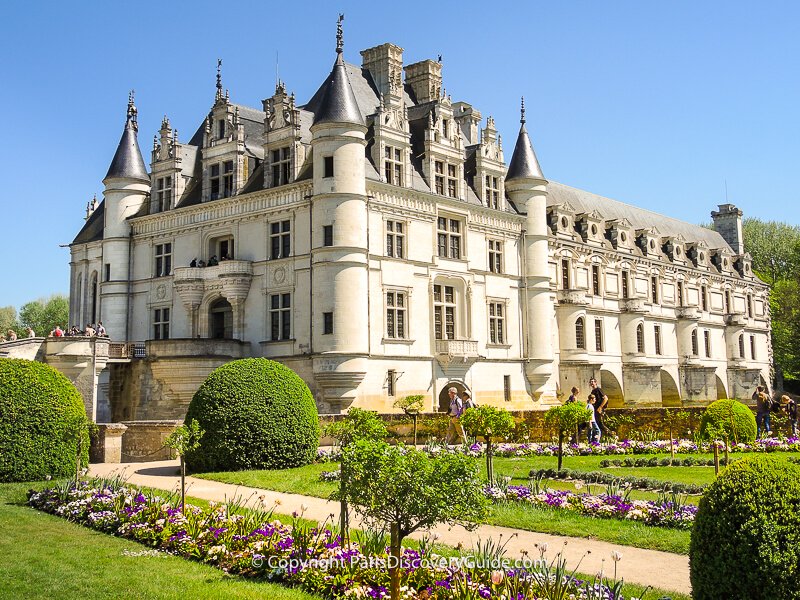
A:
(374, 240)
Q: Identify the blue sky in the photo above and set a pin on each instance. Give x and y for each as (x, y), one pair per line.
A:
(655, 104)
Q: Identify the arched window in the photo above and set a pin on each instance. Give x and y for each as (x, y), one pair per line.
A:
(640, 338)
(580, 333)
(695, 345)
(741, 345)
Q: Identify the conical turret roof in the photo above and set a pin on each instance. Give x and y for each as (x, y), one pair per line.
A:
(338, 103)
(128, 162)
(524, 164)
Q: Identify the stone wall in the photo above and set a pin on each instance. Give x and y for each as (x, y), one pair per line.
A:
(143, 441)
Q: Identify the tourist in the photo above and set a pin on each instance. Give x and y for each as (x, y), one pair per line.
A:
(101, 331)
(213, 262)
(201, 263)
(573, 397)
(789, 406)
(456, 409)
(763, 405)
(2, 338)
(57, 332)
(601, 402)
(594, 431)
(467, 400)
(31, 334)
(89, 331)
(193, 263)
(12, 335)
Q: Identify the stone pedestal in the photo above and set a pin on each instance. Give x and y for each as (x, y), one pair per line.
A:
(107, 445)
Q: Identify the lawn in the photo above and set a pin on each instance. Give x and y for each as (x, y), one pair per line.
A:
(53, 558)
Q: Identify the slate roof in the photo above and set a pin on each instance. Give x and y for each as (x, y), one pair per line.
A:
(524, 164)
(92, 230)
(337, 102)
(127, 161)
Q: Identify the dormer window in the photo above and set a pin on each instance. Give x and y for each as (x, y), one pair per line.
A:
(393, 166)
(221, 180)
(492, 192)
(445, 124)
(281, 166)
(163, 193)
(220, 129)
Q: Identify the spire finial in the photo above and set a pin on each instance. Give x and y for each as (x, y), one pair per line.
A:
(219, 78)
(522, 111)
(132, 110)
(339, 34)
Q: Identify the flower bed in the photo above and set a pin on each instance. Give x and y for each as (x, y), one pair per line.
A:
(641, 483)
(252, 544)
(664, 514)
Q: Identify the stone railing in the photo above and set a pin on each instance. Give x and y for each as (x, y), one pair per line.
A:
(457, 348)
(226, 268)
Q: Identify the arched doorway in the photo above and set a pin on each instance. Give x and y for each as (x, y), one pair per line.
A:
(611, 388)
(444, 397)
(670, 395)
(220, 320)
(721, 392)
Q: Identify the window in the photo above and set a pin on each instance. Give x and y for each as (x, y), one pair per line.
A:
(327, 235)
(507, 387)
(161, 324)
(221, 129)
(221, 179)
(640, 338)
(444, 312)
(396, 315)
(445, 123)
(741, 345)
(495, 256)
(280, 235)
(695, 349)
(327, 323)
(657, 337)
(749, 306)
(281, 166)
(596, 280)
(224, 248)
(492, 192)
(163, 260)
(680, 294)
(564, 274)
(449, 237)
(707, 341)
(497, 323)
(391, 382)
(654, 289)
(107, 273)
(395, 239)
(727, 302)
(703, 297)
(280, 316)
(452, 183)
(580, 334)
(439, 176)
(163, 193)
(598, 335)
(753, 347)
(393, 166)
(327, 166)
(625, 289)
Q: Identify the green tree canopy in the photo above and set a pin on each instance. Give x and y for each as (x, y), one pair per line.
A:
(44, 314)
(775, 248)
(358, 424)
(8, 319)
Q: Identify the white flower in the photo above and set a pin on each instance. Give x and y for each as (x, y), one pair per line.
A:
(616, 556)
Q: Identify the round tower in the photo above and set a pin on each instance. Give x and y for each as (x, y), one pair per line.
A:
(127, 187)
(340, 316)
(527, 189)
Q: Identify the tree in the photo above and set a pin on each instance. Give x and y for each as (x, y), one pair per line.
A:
(183, 440)
(8, 319)
(410, 490)
(44, 314)
(488, 422)
(775, 248)
(565, 419)
(412, 406)
(358, 424)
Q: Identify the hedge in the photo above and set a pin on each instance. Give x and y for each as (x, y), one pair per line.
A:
(256, 414)
(730, 418)
(746, 539)
(37, 403)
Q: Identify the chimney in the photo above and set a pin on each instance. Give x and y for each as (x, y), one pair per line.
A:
(425, 79)
(385, 64)
(728, 223)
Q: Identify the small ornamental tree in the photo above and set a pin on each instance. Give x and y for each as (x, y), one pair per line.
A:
(410, 490)
(488, 422)
(565, 419)
(729, 420)
(183, 440)
(358, 424)
(746, 537)
(412, 406)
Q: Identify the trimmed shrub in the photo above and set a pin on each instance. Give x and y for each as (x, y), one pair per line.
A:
(731, 418)
(256, 414)
(38, 409)
(746, 538)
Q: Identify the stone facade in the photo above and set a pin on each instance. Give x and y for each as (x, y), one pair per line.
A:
(374, 241)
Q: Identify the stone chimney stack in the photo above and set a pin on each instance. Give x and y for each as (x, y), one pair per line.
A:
(425, 79)
(385, 64)
(728, 223)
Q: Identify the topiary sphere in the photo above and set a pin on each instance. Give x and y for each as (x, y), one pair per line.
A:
(256, 414)
(37, 404)
(730, 417)
(746, 537)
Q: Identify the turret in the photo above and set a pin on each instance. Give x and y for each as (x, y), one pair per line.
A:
(527, 188)
(340, 319)
(127, 186)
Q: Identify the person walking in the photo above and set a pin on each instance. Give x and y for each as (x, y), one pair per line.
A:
(763, 406)
(456, 409)
(573, 397)
(600, 404)
(594, 430)
(789, 406)
(466, 399)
